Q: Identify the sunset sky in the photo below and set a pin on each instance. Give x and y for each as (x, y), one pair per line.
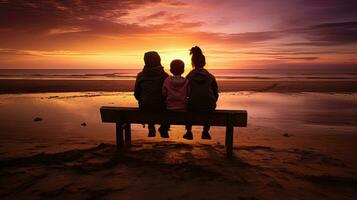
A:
(232, 33)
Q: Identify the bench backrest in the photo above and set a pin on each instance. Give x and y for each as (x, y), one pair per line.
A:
(236, 118)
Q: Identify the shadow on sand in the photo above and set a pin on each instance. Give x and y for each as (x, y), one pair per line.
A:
(175, 170)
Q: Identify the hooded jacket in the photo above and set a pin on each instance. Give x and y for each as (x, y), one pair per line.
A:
(203, 91)
(176, 89)
(148, 88)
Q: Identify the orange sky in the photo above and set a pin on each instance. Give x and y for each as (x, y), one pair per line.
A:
(232, 33)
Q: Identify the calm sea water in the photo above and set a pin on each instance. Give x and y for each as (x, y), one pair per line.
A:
(219, 73)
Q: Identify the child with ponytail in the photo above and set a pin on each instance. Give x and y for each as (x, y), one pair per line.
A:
(203, 93)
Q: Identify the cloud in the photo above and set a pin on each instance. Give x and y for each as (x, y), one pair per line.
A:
(297, 58)
(156, 15)
(332, 9)
(253, 37)
(326, 34)
(40, 16)
(55, 17)
(291, 52)
(65, 30)
(236, 39)
(303, 13)
(24, 52)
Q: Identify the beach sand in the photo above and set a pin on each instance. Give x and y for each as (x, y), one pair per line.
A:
(296, 146)
(182, 170)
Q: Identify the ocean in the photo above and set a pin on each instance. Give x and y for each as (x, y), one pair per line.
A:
(240, 74)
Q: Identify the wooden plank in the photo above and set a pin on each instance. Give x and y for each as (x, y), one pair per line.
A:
(134, 115)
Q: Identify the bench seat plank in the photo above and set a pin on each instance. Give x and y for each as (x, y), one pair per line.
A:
(134, 115)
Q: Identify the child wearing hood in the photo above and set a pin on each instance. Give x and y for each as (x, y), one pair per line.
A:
(175, 87)
(148, 90)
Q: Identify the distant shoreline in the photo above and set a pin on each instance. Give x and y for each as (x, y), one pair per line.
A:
(16, 86)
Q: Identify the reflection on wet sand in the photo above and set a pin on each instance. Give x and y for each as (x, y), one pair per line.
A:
(63, 114)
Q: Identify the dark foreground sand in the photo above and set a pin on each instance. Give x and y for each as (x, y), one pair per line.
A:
(38, 86)
(173, 170)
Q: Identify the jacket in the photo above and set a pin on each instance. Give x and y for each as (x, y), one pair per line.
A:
(203, 91)
(148, 89)
(176, 89)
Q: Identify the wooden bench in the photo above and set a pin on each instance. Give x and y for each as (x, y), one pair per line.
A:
(123, 117)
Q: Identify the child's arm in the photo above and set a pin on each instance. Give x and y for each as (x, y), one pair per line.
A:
(164, 88)
(188, 89)
(137, 88)
(215, 88)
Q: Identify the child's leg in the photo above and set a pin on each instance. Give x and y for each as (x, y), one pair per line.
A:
(152, 131)
(189, 127)
(205, 132)
(164, 128)
(188, 135)
(206, 127)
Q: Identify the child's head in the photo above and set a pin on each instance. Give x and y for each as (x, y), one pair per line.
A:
(198, 59)
(177, 67)
(152, 59)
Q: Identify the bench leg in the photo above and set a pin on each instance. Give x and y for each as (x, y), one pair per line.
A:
(119, 136)
(128, 134)
(229, 141)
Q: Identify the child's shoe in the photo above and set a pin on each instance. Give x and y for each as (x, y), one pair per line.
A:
(188, 135)
(164, 133)
(205, 135)
(152, 132)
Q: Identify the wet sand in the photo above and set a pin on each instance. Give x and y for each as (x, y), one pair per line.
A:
(301, 146)
(171, 170)
(39, 86)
